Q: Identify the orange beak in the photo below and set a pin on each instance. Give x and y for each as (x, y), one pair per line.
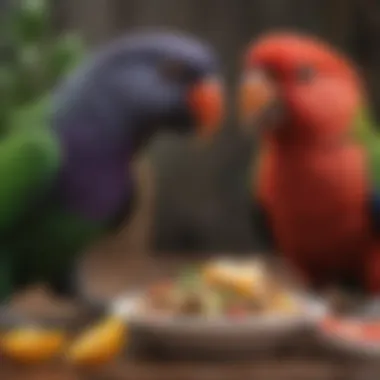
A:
(256, 94)
(207, 103)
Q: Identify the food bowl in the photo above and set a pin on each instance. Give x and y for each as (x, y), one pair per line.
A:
(351, 336)
(221, 307)
(217, 335)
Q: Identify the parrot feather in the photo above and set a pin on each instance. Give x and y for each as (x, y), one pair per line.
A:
(65, 159)
(366, 133)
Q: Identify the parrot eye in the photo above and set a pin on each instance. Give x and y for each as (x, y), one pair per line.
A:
(272, 74)
(305, 73)
(173, 70)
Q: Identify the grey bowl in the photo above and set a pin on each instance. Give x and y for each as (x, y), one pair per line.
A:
(217, 335)
(349, 346)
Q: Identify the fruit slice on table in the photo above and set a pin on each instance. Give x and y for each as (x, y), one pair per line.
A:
(32, 344)
(99, 344)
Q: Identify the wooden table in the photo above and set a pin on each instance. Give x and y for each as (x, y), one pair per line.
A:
(106, 275)
(264, 369)
(290, 369)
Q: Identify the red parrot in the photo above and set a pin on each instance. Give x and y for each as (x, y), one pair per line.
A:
(316, 183)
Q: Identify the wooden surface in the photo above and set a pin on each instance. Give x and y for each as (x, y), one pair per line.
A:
(265, 370)
(108, 274)
(200, 194)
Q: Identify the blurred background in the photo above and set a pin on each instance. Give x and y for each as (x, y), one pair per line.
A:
(192, 201)
(189, 200)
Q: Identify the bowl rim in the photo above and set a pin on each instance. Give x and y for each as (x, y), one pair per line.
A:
(124, 306)
(347, 344)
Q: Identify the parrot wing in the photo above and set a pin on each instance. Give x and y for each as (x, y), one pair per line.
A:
(31, 115)
(29, 162)
(259, 217)
(366, 132)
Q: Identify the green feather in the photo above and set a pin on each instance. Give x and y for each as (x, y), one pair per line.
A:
(37, 243)
(31, 116)
(29, 161)
(365, 131)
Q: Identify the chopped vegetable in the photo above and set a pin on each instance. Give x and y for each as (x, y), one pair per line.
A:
(189, 278)
(220, 288)
(162, 296)
(237, 312)
(353, 329)
(371, 332)
(284, 303)
(192, 304)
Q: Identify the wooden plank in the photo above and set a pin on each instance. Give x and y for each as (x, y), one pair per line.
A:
(264, 370)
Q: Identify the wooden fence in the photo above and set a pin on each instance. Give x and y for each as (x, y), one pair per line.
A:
(201, 202)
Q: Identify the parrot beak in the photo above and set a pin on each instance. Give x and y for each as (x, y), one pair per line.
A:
(206, 100)
(258, 102)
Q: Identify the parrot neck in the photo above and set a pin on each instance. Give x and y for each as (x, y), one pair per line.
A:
(98, 126)
(97, 142)
(98, 136)
(289, 139)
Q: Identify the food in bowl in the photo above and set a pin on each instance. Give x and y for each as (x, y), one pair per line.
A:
(354, 330)
(220, 289)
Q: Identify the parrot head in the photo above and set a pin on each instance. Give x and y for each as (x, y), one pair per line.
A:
(297, 88)
(166, 79)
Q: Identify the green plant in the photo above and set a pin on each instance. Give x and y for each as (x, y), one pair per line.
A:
(35, 56)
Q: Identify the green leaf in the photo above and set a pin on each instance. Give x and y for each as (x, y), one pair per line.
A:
(34, 6)
(36, 59)
(190, 277)
(64, 56)
(31, 21)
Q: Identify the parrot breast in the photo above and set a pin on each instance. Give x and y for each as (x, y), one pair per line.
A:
(317, 204)
(95, 180)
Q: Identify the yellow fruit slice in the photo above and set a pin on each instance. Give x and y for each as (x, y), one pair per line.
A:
(99, 344)
(244, 286)
(31, 344)
(284, 303)
(217, 274)
(245, 280)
